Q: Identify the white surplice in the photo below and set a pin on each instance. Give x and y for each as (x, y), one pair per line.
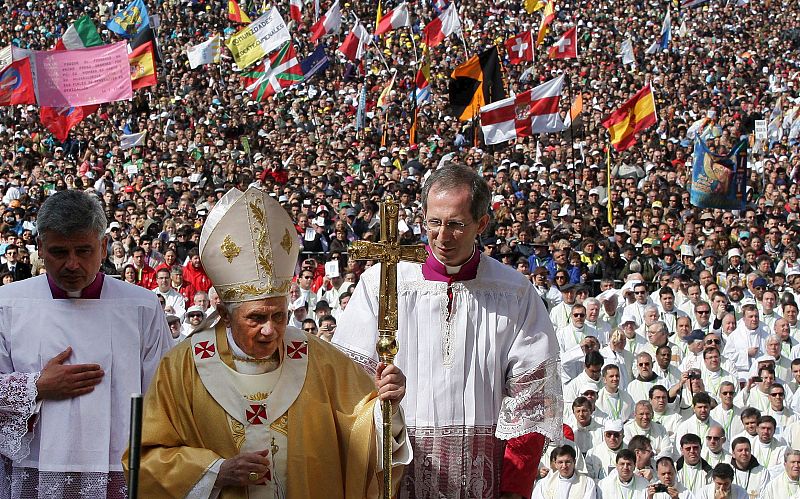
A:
(487, 370)
(76, 446)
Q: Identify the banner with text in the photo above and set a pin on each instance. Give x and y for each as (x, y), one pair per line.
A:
(83, 77)
(264, 35)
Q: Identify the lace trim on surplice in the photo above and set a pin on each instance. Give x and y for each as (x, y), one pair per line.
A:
(17, 405)
(29, 483)
(534, 404)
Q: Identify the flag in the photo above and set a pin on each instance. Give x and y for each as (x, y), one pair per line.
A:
(383, 98)
(6, 56)
(329, 23)
(443, 26)
(666, 32)
(236, 14)
(144, 36)
(261, 37)
(80, 35)
(208, 52)
(284, 71)
(132, 140)
(395, 18)
(296, 11)
(60, 120)
(719, 181)
(683, 30)
(423, 79)
(638, 113)
(315, 62)
(143, 67)
(520, 48)
(626, 52)
(532, 6)
(130, 20)
(355, 43)
(566, 47)
(361, 117)
(574, 111)
(16, 84)
(688, 4)
(548, 15)
(476, 83)
(527, 113)
(378, 14)
(609, 210)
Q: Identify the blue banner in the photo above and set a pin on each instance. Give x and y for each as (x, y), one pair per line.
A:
(315, 62)
(131, 20)
(719, 181)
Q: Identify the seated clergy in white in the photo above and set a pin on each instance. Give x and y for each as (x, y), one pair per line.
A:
(601, 459)
(787, 484)
(612, 402)
(248, 406)
(722, 486)
(622, 482)
(566, 482)
(643, 424)
(748, 473)
(714, 447)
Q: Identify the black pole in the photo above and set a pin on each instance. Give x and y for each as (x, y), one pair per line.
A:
(134, 452)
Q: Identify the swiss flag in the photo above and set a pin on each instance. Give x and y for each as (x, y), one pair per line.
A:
(520, 48)
(566, 47)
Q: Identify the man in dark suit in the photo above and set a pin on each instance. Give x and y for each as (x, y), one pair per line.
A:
(18, 269)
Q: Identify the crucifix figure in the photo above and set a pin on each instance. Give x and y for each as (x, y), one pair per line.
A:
(388, 252)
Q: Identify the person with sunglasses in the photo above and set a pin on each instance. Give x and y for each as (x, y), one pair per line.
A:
(726, 413)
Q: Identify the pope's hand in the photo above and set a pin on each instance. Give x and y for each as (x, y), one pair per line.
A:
(235, 472)
(59, 381)
(391, 383)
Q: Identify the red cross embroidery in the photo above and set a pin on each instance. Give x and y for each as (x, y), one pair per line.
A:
(297, 349)
(257, 414)
(205, 349)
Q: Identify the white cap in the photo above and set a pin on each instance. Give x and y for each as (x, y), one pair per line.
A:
(612, 425)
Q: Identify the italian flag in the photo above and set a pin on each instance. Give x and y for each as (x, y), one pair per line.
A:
(80, 35)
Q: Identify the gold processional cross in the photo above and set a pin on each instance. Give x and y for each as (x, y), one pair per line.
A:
(388, 252)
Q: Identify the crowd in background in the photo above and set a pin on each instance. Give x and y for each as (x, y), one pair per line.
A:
(699, 303)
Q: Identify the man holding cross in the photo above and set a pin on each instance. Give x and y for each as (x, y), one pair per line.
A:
(477, 347)
(247, 406)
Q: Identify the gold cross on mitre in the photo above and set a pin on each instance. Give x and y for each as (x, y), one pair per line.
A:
(388, 252)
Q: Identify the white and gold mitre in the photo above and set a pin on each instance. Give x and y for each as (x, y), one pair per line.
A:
(249, 246)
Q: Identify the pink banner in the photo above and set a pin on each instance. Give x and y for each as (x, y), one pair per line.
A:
(72, 78)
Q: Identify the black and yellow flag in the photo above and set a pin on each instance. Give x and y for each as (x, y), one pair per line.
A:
(476, 83)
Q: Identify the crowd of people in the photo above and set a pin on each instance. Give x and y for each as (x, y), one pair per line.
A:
(676, 325)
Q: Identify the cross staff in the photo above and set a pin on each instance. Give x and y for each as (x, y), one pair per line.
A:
(389, 252)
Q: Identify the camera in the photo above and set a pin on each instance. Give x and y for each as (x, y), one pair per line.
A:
(758, 379)
(694, 374)
(660, 487)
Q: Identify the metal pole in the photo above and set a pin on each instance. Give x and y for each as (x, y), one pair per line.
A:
(134, 454)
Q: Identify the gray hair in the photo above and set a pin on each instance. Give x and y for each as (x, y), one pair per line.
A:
(660, 327)
(644, 403)
(591, 301)
(70, 212)
(789, 453)
(650, 308)
(450, 177)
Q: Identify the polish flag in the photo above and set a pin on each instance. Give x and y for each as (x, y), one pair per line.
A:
(296, 10)
(520, 48)
(527, 113)
(443, 26)
(355, 43)
(395, 18)
(566, 47)
(329, 23)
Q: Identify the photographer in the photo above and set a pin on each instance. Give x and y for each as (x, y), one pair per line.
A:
(667, 487)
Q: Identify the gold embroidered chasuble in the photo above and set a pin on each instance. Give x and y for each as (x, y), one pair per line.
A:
(190, 420)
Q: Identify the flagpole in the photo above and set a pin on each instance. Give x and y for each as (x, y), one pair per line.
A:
(572, 139)
(412, 127)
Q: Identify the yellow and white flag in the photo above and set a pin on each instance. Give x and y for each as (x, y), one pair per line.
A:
(264, 35)
(207, 52)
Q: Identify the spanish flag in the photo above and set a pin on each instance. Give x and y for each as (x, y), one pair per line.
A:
(143, 66)
(631, 118)
(476, 83)
(236, 14)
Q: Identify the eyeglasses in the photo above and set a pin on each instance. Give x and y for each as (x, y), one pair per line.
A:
(579, 315)
(639, 292)
(194, 316)
(454, 226)
(703, 312)
(728, 393)
(713, 342)
(613, 434)
(644, 364)
(777, 394)
(712, 438)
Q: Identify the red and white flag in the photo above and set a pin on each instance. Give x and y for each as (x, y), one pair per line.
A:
(527, 113)
(566, 47)
(355, 43)
(395, 18)
(329, 23)
(520, 48)
(296, 10)
(443, 26)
